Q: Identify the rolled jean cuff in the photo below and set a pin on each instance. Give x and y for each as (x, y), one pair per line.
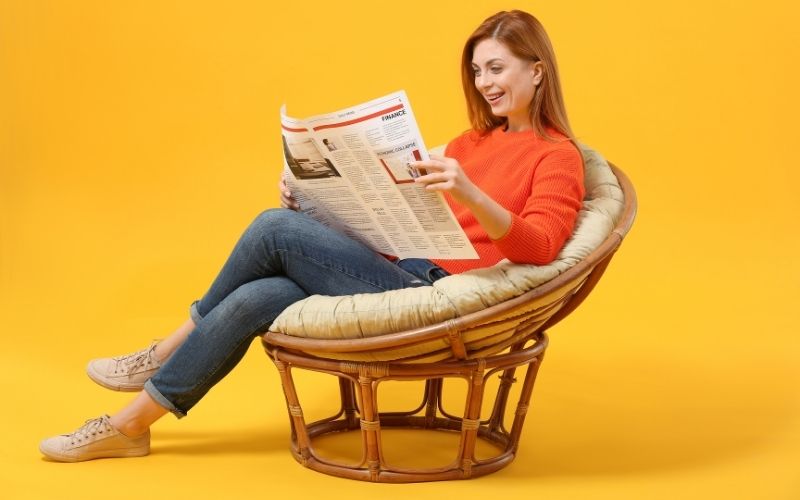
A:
(194, 313)
(161, 400)
(423, 269)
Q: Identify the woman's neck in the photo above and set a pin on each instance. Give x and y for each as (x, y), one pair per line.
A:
(517, 125)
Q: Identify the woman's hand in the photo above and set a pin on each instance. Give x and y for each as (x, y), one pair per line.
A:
(445, 174)
(287, 200)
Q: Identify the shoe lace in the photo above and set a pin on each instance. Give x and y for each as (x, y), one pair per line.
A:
(91, 427)
(130, 363)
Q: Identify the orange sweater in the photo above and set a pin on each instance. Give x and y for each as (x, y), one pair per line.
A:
(538, 181)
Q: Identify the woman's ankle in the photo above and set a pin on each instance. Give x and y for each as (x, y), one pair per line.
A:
(165, 348)
(128, 428)
(161, 352)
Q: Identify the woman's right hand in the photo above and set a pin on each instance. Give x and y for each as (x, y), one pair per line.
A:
(287, 200)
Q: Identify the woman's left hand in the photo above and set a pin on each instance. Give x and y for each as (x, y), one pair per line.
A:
(445, 174)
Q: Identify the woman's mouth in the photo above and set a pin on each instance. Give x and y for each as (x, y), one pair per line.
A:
(494, 98)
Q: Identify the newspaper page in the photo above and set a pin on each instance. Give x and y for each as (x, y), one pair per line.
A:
(350, 170)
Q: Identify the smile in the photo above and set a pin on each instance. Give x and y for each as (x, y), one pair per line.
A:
(493, 98)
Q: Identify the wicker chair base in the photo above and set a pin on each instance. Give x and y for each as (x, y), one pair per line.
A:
(528, 315)
(358, 386)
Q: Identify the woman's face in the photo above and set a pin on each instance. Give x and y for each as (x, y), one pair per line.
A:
(506, 82)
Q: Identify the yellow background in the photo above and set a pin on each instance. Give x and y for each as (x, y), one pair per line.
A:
(137, 140)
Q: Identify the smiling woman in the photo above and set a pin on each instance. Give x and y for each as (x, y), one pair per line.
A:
(520, 151)
(507, 82)
(515, 184)
(515, 51)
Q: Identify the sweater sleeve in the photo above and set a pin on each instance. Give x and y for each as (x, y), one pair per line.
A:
(548, 217)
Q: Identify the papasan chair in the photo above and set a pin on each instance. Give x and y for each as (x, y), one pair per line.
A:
(475, 326)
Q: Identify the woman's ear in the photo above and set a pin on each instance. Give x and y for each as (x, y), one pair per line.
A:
(537, 72)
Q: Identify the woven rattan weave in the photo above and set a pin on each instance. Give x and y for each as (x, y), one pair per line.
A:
(530, 314)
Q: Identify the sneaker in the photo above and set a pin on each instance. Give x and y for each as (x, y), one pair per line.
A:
(125, 373)
(97, 438)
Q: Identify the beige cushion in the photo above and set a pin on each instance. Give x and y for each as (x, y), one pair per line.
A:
(367, 315)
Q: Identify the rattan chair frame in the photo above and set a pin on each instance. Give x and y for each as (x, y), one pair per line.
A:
(359, 380)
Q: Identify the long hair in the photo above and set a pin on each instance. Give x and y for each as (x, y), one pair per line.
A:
(526, 38)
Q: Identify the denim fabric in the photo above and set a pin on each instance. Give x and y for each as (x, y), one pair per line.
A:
(423, 269)
(282, 257)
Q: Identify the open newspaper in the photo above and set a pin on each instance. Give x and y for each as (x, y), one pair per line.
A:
(350, 170)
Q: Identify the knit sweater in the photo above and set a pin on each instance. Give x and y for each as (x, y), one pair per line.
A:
(539, 181)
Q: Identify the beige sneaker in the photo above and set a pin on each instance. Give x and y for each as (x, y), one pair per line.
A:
(95, 439)
(125, 373)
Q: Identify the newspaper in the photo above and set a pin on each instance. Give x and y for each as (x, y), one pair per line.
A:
(350, 170)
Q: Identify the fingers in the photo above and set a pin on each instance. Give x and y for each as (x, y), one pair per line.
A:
(287, 200)
(444, 174)
(290, 204)
(437, 173)
(437, 162)
(428, 164)
(429, 171)
(437, 181)
(435, 177)
(283, 189)
(439, 186)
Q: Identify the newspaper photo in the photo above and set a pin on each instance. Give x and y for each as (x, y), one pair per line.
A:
(351, 170)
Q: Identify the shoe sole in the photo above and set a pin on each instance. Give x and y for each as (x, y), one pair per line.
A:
(100, 380)
(123, 453)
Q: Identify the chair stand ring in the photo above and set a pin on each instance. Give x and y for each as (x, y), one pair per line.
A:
(358, 384)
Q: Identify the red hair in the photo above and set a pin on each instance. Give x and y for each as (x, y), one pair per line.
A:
(526, 38)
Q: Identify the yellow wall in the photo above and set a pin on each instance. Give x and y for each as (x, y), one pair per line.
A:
(137, 139)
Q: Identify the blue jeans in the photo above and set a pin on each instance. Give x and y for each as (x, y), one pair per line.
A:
(282, 257)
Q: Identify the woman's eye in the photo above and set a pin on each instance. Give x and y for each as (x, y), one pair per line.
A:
(496, 69)
(476, 72)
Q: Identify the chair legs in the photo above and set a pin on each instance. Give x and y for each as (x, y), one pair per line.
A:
(359, 384)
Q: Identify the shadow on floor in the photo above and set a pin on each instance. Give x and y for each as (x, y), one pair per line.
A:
(230, 441)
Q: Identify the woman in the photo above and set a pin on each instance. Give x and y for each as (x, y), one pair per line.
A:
(515, 183)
